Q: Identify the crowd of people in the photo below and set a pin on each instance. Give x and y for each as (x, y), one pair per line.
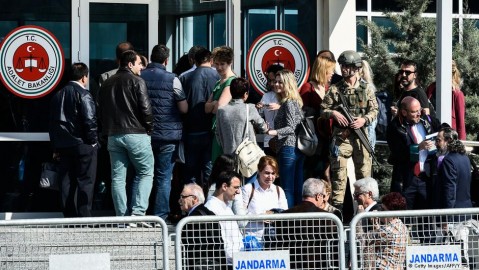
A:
(144, 119)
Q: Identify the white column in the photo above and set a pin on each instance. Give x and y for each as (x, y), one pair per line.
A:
(233, 32)
(339, 30)
(444, 61)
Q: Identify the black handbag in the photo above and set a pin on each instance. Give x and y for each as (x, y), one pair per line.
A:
(306, 139)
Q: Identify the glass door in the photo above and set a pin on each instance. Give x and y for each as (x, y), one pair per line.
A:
(102, 24)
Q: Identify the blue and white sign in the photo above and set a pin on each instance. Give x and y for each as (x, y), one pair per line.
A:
(273, 260)
(433, 257)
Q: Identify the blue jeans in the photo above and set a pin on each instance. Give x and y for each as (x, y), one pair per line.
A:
(164, 163)
(134, 148)
(197, 158)
(290, 161)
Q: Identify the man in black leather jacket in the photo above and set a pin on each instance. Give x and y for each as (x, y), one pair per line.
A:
(73, 132)
(127, 120)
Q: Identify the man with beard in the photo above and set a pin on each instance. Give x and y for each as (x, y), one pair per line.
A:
(454, 171)
(408, 79)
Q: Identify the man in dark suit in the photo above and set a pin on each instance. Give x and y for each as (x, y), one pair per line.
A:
(307, 239)
(454, 175)
(73, 132)
(203, 245)
(411, 153)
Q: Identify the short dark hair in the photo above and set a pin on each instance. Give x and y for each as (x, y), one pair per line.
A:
(192, 52)
(225, 178)
(203, 55)
(224, 54)
(408, 62)
(160, 53)
(128, 57)
(274, 68)
(123, 47)
(238, 87)
(78, 71)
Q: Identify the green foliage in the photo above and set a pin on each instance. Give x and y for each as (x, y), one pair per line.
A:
(414, 37)
(467, 57)
(472, 116)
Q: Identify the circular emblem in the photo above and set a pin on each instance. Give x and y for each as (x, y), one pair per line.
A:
(31, 61)
(276, 48)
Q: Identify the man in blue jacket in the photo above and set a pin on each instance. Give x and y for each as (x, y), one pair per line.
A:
(168, 103)
(73, 132)
(454, 175)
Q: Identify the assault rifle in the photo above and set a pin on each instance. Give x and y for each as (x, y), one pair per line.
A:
(359, 132)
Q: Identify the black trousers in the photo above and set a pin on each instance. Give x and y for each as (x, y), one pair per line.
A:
(78, 172)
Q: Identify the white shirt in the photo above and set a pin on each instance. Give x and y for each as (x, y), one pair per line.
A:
(230, 231)
(269, 115)
(262, 201)
(420, 133)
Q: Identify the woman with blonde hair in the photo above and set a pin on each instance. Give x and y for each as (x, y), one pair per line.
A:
(312, 94)
(366, 74)
(458, 111)
(290, 158)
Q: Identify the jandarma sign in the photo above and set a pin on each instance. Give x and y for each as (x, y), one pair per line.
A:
(31, 61)
(276, 47)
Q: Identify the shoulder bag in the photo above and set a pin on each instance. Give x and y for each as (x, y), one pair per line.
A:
(248, 152)
(306, 139)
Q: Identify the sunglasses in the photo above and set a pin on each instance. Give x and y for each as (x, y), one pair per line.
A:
(407, 72)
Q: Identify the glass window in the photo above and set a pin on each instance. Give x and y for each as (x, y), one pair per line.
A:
(219, 29)
(382, 5)
(20, 168)
(262, 19)
(195, 32)
(473, 7)
(361, 5)
(20, 114)
(6, 27)
(387, 23)
(362, 33)
(300, 19)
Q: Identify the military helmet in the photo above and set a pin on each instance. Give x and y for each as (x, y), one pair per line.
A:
(350, 58)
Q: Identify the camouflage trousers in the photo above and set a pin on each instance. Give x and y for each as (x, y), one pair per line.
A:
(341, 150)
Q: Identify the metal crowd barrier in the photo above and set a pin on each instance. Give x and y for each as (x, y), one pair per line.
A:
(302, 240)
(415, 239)
(93, 243)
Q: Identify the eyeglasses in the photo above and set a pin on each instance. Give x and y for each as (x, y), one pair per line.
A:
(407, 72)
(186, 196)
(357, 194)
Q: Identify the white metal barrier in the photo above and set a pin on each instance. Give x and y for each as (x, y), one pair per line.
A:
(312, 240)
(415, 239)
(112, 242)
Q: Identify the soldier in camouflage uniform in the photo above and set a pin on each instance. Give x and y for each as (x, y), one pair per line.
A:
(361, 101)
